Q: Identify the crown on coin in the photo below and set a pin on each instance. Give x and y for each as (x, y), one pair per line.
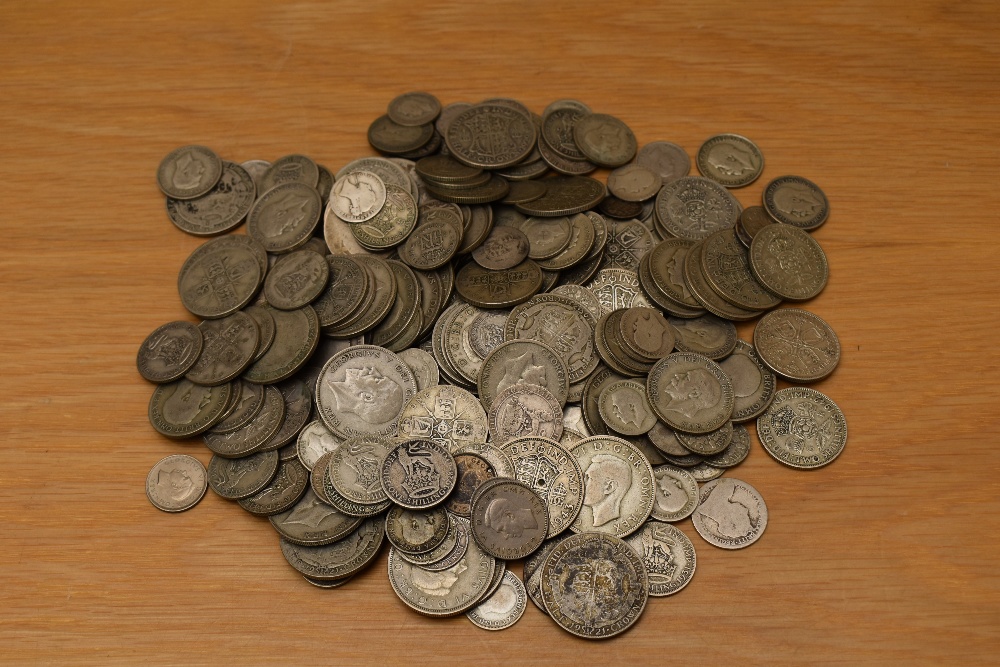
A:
(658, 561)
(689, 195)
(421, 479)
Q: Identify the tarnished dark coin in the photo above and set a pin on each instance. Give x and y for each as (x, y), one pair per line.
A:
(625, 409)
(435, 289)
(339, 559)
(414, 109)
(561, 164)
(562, 324)
(752, 220)
(565, 195)
(230, 346)
(220, 209)
(730, 160)
(502, 608)
(311, 522)
(618, 486)
(318, 475)
(617, 585)
(327, 583)
(456, 539)
(418, 474)
(450, 416)
(553, 473)
(668, 556)
(296, 279)
(667, 159)
(509, 520)
(498, 289)
(221, 276)
(491, 136)
(731, 514)
(666, 267)
(169, 351)
(446, 169)
(182, 409)
(665, 440)
(430, 245)
(492, 454)
(295, 339)
(634, 183)
(504, 248)
(803, 428)
(290, 169)
(734, 453)
(416, 531)
(298, 403)
(493, 189)
(604, 140)
(693, 208)
(176, 483)
(281, 493)
(524, 191)
(255, 436)
(522, 362)
(188, 172)
(546, 236)
(473, 470)
(707, 335)
(345, 291)
(392, 224)
(796, 201)
(249, 403)
(582, 238)
(404, 313)
(797, 344)
(754, 383)
(789, 262)
(676, 492)
(599, 380)
(690, 393)
(619, 209)
(727, 270)
(647, 333)
(284, 217)
(707, 444)
(694, 274)
(390, 137)
(525, 410)
(242, 477)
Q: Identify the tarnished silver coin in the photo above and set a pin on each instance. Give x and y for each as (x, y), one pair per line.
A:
(311, 522)
(693, 208)
(182, 409)
(355, 469)
(504, 248)
(468, 338)
(625, 409)
(296, 280)
(188, 172)
(796, 201)
(730, 160)
(614, 596)
(327, 583)
(498, 289)
(176, 483)
(388, 171)
(617, 289)
(565, 195)
(403, 322)
(705, 294)
(797, 344)
(455, 540)
(727, 270)
(383, 290)
(418, 473)
(734, 453)
(704, 472)
(690, 393)
(290, 169)
(168, 352)
(281, 494)
(604, 140)
(249, 403)
(392, 224)
(318, 475)
(473, 470)
(789, 262)
(667, 159)
(707, 444)
(707, 335)
(314, 441)
(754, 383)
(347, 506)
(362, 390)
(430, 245)
(239, 478)
(256, 435)
(628, 242)
(665, 440)
(525, 410)
(583, 234)
(450, 416)
(731, 514)
(666, 268)
(296, 335)
(522, 362)
(618, 486)
(492, 454)
(339, 559)
(345, 292)
(230, 344)
(220, 209)
(503, 608)
(583, 296)
(634, 183)
(416, 531)
(284, 217)
(221, 276)
(414, 108)
(668, 556)
(357, 197)
(803, 428)
(298, 406)
(425, 369)
(390, 137)
(676, 493)
(562, 324)
(553, 473)
(491, 136)
(509, 520)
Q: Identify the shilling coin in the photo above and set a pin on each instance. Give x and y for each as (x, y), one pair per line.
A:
(731, 514)
(282, 493)
(413, 109)
(522, 362)
(358, 196)
(356, 468)
(618, 486)
(347, 506)
(311, 522)
(503, 608)
(362, 390)
(418, 474)
(561, 323)
(628, 241)
(707, 335)
(553, 473)
(604, 140)
(693, 208)
(314, 441)
(647, 333)
(566, 195)
(730, 160)
(735, 452)
(582, 237)
(188, 172)
(803, 428)
(509, 520)
(390, 137)
(797, 344)
(796, 201)
(229, 348)
(176, 483)
(625, 409)
(221, 276)
(707, 444)
(450, 416)
(220, 209)
(668, 556)
(182, 409)
(491, 136)
(296, 279)
(239, 478)
(284, 217)
(295, 339)
(753, 383)
(676, 493)
(425, 369)
(473, 470)
(690, 393)
(504, 248)
(416, 531)
(168, 352)
(257, 433)
(290, 169)
(617, 590)
(789, 262)
(727, 271)
(525, 410)
(392, 224)
(339, 559)
(667, 159)
(634, 183)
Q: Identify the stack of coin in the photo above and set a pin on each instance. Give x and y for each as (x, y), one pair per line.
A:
(484, 362)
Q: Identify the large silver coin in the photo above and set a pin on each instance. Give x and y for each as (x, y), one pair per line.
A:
(450, 416)
(553, 473)
(797, 344)
(617, 486)
(690, 393)
(803, 428)
(446, 592)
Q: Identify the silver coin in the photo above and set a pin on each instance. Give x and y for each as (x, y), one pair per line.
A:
(553, 473)
(314, 441)
(358, 196)
(503, 608)
(693, 208)
(754, 383)
(239, 478)
(188, 172)
(183, 409)
(340, 559)
(450, 416)
(669, 160)
(690, 393)
(668, 555)
(356, 468)
(418, 473)
(522, 362)
(176, 483)
(425, 369)
(168, 352)
(284, 218)
(676, 493)
(708, 335)
(803, 428)
(618, 491)
(525, 410)
(311, 522)
(797, 344)
(446, 592)
(730, 160)
(731, 514)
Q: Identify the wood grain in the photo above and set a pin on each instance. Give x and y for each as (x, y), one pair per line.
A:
(887, 556)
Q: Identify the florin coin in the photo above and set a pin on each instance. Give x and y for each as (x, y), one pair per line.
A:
(789, 262)
(753, 383)
(803, 428)
(797, 344)
(668, 556)
(731, 514)
(221, 276)
(176, 483)
(450, 416)
(693, 208)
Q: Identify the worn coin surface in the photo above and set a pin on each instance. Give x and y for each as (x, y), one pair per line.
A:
(525, 410)
(390, 137)
(498, 289)
(522, 362)
(425, 369)
(448, 415)
(229, 347)
(239, 478)
(618, 486)
(562, 324)
(311, 522)
(256, 435)
(492, 454)
(665, 439)
(296, 279)
(290, 169)
(358, 196)
(731, 514)
(668, 555)
(182, 409)
(727, 270)
(168, 352)
(789, 262)
(628, 241)
(676, 493)
(416, 531)
(734, 453)
(504, 248)
(634, 183)
(604, 140)
(796, 201)
(338, 559)
(344, 293)
(313, 442)
(509, 520)
(281, 493)
(752, 220)
(503, 608)
(707, 335)
(707, 444)
(392, 224)
(615, 592)
(647, 333)
(565, 195)
(430, 245)
(176, 483)
(188, 172)
(553, 473)
(667, 159)
(249, 403)
(690, 393)
(797, 344)
(491, 136)
(284, 217)
(693, 208)
(625, 409)
(414, 108)
(356, 468)
(221, 276)
(220, 209)
(754, 383)
(803, 428)
(666, 268)
(295, 339)
(730, 160)
(617, 289)
(418, 473)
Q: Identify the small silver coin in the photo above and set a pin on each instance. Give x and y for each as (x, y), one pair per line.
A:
(731, 514)
(176, 483)
(503, 608)
(668, 555)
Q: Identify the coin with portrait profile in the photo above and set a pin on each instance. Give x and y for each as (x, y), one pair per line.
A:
(676, 493)
(690, 393)
(617, 486)
(168, 352)
(358, 196)
(182, 409)
(509, 520)
(731, 514)
(188, 172)
(176, 483)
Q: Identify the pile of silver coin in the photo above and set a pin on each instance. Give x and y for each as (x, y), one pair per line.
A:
(468, 347)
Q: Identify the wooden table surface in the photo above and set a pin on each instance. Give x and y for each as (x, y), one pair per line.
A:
(887, 556)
